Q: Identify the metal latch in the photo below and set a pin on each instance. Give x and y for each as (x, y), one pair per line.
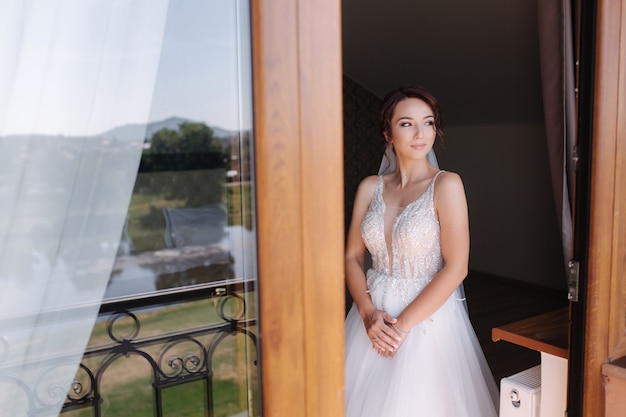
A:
(573, 278)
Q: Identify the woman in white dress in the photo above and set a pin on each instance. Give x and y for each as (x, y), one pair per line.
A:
(410, 347)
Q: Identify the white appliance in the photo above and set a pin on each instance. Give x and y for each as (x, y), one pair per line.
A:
(520, 394)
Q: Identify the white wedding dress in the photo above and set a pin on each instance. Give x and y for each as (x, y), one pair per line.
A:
(440, 369)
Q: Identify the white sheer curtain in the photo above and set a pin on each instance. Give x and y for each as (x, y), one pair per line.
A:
(70, 71)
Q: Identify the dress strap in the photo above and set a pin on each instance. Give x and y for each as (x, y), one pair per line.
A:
(432, 183)
(431, 187)
(379, 187)
(437, 175)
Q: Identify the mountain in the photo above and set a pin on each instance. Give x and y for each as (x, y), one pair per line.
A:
(133, 131)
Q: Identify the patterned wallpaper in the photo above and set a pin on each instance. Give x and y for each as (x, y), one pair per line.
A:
(363, 143)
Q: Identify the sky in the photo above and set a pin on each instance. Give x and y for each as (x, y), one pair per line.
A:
(82, 67)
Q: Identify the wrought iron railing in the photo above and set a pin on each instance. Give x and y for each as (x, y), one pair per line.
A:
(174, 357)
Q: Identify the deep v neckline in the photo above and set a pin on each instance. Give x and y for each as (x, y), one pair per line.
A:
(389, 244)
(403, 208)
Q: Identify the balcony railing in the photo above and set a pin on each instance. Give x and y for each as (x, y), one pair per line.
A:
(187, 327)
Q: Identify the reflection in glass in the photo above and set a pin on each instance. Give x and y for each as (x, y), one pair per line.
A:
(190, 221)
(190, 216)
(148, 170)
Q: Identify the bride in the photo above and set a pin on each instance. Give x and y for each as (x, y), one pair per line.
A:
(410, 347)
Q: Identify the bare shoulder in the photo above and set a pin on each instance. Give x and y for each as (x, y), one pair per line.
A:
(370, 181)
(448, 182)
(363, 198)
(367, 185)
(449, 189)
(365, 192)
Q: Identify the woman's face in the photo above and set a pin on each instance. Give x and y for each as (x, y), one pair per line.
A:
(412, 129)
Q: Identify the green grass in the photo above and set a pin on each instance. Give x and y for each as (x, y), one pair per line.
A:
(239, 203)
(126, 386)
(136, 399)
(168, 319)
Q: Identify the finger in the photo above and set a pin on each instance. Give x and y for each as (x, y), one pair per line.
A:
(391, 333)
(388, 318)
(390, 353)
(385, 346)
(379, 345)
(384, 341)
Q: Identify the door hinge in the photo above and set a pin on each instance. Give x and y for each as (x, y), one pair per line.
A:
(573, 277)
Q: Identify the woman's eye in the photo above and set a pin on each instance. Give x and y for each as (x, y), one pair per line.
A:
(430, 123)
(405, 124)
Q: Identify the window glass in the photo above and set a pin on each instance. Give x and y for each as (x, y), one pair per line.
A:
(190, 215)
(127, 227)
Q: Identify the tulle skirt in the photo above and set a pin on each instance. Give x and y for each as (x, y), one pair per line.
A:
(439, 371)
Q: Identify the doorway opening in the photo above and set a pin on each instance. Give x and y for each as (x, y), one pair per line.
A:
(481, 60)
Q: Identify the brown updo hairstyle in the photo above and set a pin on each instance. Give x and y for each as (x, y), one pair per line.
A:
(392, 99)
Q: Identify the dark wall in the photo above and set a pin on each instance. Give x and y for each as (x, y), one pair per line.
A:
(363, 143)
(514, 233)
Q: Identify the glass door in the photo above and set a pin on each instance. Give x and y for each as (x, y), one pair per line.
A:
(128, 263)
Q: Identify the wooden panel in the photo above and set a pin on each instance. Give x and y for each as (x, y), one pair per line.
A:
(298, 156)
(617, 334)
(602, 275)
(615, 383)
(322, 194)
(277, 157)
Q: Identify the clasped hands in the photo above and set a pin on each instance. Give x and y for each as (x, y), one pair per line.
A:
(385, 336)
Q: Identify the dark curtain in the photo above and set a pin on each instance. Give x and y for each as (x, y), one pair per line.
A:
(557, 77)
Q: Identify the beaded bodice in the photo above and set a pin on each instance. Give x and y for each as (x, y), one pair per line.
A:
(415, 237)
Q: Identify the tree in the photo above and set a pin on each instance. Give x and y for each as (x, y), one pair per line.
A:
(192, 146)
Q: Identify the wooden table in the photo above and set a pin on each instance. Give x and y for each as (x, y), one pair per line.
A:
(547, 333)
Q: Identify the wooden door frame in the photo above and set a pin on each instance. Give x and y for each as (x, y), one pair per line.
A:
(604, 305)
(299, 188)
(298, 137)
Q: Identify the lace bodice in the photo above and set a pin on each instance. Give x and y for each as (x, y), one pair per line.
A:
(415, 237)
